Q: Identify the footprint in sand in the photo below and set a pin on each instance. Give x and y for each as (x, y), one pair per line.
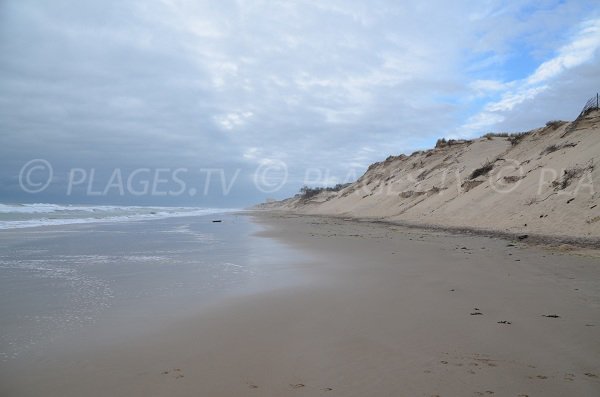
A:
(590, 375)
(297, 386)
(551, 315)
(504, 322)
(176, 373)
(570, 377)
(251, 385)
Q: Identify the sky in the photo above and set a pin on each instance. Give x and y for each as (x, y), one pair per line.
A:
(228, 103)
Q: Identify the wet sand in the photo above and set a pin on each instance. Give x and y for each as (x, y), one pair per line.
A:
(381, 311)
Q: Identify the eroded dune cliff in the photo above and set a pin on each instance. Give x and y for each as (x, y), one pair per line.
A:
(546, 181)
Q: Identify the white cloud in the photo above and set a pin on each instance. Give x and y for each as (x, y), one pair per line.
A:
(178, 81)
(483, 87)
(233, 120)
(252, 153)
(511, 99)
(126, 102)
(477, 123)
(581, 49)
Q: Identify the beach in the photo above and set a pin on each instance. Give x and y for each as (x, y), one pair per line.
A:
(331, 307)
(299, 198)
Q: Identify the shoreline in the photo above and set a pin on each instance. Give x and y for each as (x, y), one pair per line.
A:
(390, 311)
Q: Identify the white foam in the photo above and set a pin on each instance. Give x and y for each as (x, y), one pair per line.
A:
(27, 208)
(41, 208)
(101, 214)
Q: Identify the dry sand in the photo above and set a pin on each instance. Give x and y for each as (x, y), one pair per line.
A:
(388, 312)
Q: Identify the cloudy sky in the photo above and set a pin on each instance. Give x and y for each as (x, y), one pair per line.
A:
(242, 96)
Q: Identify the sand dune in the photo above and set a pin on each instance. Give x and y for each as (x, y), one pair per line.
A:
(545, 181)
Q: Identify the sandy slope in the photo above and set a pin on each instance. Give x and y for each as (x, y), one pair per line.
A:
(547, 183)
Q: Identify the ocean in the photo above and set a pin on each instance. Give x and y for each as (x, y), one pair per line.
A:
(95, 274)
(14, 216)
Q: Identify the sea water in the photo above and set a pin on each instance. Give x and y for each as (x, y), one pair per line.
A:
(124, 270)
(41, 214)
